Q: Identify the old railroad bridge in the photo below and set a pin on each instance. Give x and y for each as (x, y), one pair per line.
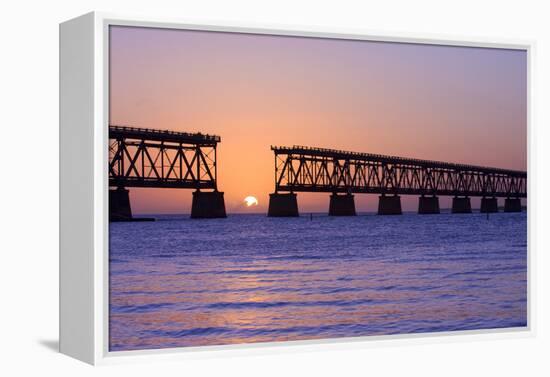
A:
(141, 157)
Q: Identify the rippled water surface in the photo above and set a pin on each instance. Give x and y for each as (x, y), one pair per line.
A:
(248, 278)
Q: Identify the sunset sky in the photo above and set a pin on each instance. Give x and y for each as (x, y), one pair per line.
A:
(456, 104)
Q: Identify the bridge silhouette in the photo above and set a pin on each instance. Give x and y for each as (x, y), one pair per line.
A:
(343, 173)
(142, 157)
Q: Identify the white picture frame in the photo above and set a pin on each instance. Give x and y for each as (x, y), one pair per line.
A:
(83, 190)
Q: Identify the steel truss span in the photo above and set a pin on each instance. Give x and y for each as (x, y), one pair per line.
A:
(140, 157)
(305, 169)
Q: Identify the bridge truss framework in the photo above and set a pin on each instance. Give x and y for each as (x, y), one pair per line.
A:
(305, 169)
(151, 158)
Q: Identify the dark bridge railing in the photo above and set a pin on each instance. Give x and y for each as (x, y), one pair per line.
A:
(305, 169)
(141, 157)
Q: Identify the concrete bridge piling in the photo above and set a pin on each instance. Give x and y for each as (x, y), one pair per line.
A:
(119, 205)
(461, 205)
(208, 205)
(389, 205)
(428, 205)
(512, 205)
(341, 205)
(286, 205)
(283, 205)
(488, 205)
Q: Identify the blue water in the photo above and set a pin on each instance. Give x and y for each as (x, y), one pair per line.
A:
(249, 278)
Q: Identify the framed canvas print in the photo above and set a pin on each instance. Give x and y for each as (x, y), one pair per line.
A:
(224, 187)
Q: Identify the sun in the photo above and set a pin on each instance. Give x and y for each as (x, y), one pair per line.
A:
(251, 201)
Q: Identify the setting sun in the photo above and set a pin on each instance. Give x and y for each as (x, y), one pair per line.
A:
(251, 201)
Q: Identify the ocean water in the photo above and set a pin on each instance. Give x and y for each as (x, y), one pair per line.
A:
(179, 282)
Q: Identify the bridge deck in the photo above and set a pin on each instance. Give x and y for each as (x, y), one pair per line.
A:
(120, 132)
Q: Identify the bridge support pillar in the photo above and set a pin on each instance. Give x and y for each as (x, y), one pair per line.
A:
(389, 205)
(341, 205)
(512, 205)
(461, 205)
(428, 205)
(488, 205)
(208, 205)
(119, 205)
(283, 205)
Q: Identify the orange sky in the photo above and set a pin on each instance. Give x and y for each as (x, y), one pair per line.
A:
(454, 104)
